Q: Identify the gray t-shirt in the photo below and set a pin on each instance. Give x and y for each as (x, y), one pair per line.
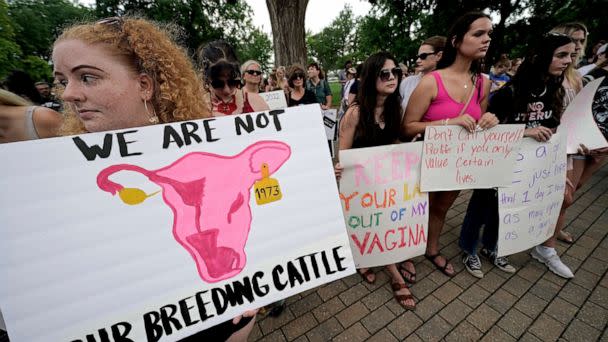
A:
(406, 88)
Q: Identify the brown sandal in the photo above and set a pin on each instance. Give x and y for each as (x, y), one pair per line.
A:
(408, 276)
(402, 298)
(444, 268)
(365, 275)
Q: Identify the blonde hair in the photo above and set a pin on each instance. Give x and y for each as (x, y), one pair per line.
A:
(9, 99)
(146, 48)
(248, 63)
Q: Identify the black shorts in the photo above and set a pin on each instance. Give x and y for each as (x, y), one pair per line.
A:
(220, 332)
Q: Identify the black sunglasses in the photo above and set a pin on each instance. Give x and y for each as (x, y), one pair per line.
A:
(297, 75)
(220, 84)
(253, 72)
(385, 74)
(424, 55)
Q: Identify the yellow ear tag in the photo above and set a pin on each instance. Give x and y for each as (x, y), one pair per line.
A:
(267, 189)
(133, 196)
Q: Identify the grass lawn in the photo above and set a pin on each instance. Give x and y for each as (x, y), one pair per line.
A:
(335, 92)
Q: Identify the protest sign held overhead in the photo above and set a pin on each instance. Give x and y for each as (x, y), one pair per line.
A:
(199, 211)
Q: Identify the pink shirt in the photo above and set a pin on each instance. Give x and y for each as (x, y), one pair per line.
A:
(445, 107)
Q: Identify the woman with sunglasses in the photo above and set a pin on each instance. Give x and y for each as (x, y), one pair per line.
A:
(534, 97)
(252, 76)
(223, 76)
(429, 53)
(119, 73)
(373, 120)
(298, 94)
(455, 94)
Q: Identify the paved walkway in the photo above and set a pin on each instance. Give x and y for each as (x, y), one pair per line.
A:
(530, 305)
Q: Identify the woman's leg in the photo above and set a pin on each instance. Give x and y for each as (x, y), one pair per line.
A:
(439, 203)
(403, 294)
(473, 220)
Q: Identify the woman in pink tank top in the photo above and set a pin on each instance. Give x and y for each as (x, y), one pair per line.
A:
(439, 100)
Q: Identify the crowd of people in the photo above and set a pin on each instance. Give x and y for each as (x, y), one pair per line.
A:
(126, 72)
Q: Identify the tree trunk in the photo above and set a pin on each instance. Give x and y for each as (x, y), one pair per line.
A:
(288, 33)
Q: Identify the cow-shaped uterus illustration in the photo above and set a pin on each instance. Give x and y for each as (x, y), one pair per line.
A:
(209, 196)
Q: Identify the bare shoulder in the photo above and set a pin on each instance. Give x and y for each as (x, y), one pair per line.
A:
(257, 102)
(47, 122)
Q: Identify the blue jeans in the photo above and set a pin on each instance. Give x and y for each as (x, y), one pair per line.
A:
(482, 211)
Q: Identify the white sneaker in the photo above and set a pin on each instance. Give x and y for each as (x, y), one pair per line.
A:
(553, 262)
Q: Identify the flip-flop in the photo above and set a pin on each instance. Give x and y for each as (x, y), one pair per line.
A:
(401, 298)
(443, 269)
(565, 236)
(365, 275)
(407, 275)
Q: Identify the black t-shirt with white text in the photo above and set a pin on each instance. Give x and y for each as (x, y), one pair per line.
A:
(537, 113)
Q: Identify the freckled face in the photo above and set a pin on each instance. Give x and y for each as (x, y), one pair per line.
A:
(103, 91)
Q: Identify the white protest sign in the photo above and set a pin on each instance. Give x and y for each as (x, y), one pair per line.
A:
(454, 159)
(239, 212)
(275, 99)
(386, 215)
(578, 123)
(528, 210)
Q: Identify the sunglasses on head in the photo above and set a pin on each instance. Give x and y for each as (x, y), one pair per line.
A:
(220, 84)
(111, 21)
(424, 55)
(253, 72)
(385, 74)
(297, 75)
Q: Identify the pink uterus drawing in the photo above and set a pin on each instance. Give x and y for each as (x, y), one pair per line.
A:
(209, 196)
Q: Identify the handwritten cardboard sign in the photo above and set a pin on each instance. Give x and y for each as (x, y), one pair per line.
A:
(386, 215)
(330, 121)
(529, 208)
(156, 233)
(275, 99)
(454, 159)
(578, 123)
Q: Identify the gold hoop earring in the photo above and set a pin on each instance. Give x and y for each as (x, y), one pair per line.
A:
(152, 118)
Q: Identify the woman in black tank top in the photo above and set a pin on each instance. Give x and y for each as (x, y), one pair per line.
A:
(373, 120)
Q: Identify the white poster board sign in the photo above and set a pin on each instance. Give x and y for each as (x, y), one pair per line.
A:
(386, 215)
(275, 99)
(454, 159)
(233, 213)
(578, 122)
(528, 210)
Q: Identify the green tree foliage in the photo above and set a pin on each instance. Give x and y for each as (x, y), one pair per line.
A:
(9, 50)
(201, 20)
(37, 22)
(257, 47)
(336, 43)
